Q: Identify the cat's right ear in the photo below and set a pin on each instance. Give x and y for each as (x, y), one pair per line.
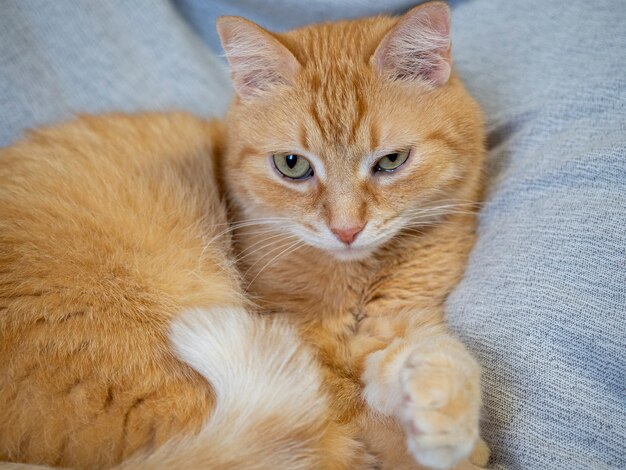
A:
(258, 61)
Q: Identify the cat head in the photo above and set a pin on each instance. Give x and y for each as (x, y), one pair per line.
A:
(348, 133)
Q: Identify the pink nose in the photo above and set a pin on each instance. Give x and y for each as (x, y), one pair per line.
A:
(347, 235)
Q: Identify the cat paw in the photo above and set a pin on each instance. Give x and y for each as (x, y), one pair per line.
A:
(480, 455)
(441, 406)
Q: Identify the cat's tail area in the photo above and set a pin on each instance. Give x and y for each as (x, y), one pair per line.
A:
(270, 411)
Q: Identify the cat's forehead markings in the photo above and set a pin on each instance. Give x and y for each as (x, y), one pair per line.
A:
(246, 152)
(317, 119)
(337, 107)
(361, 109)
(446, 139)
(303, 137)
(374, 135)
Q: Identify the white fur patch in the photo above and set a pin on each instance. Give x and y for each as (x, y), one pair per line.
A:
(268, 391)
(254, 364)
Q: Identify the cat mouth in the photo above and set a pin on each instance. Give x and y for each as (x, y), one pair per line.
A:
(351, 253)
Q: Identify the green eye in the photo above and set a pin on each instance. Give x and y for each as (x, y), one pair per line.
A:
(293, 166)
(392, 161)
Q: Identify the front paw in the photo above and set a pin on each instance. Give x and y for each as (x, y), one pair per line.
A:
(441, 406)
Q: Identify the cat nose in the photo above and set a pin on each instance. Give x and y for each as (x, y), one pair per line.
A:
(347, 234)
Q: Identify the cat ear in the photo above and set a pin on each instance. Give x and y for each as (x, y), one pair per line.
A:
(418, 46)
(258, 61)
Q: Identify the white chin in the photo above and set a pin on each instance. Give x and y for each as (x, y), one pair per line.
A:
(351, 254)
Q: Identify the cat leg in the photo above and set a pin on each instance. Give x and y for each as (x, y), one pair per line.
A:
(430, 382)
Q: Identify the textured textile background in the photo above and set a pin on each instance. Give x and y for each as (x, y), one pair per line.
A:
(63, 56)
(543, 304)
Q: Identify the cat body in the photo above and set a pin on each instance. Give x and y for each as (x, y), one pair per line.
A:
(128, 323)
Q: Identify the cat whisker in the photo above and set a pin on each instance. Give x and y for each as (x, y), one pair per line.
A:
(461, 201)
(441, 208)
(425, 222)
(255, 219)
(290, 249)
(260, 220)
(439, 211)
(269, 253)
(221, 234)
(261, 231)
(455, 201)
(251, 251)
(414, 230)
(252, 224)
(238, 226)
(435, 215)
(243, 224)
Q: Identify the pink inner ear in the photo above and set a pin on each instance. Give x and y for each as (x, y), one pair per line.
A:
(258, 61)
(418, 47)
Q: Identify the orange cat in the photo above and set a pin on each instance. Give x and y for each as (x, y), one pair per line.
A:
(352, 163)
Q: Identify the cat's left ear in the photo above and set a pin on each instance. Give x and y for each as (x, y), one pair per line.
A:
(258, 61)
(418, 46)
